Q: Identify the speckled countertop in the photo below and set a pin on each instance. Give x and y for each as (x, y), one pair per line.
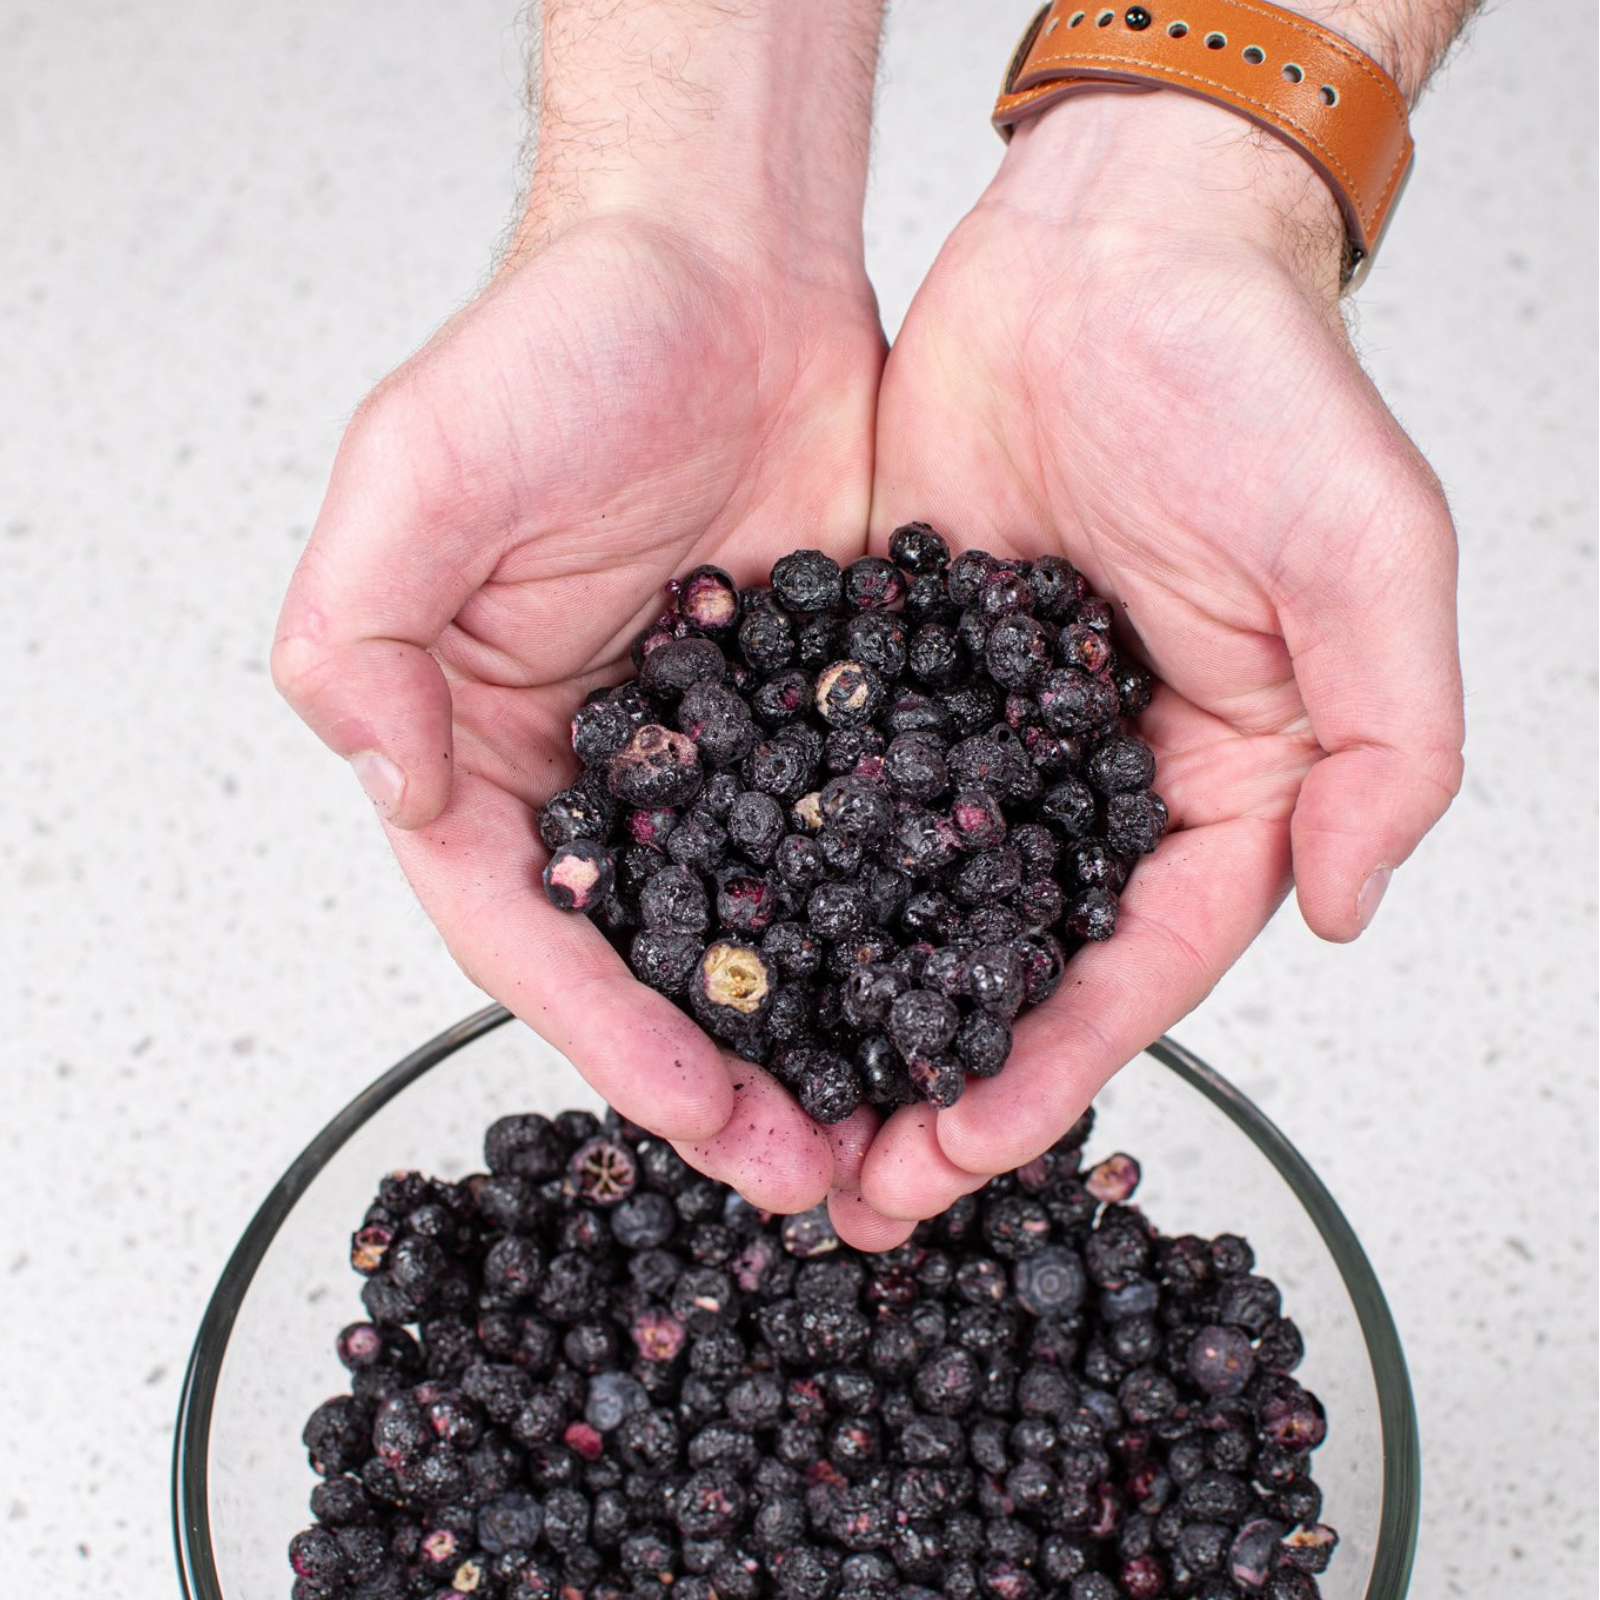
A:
(223, 224)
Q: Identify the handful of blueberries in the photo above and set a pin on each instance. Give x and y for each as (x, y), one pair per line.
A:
(591, 1374)
(857, 820)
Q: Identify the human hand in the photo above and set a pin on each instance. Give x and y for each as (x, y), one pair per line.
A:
(677, 364)
(1130, 353)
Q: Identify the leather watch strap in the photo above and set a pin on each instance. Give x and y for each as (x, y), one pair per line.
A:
(1299, 80)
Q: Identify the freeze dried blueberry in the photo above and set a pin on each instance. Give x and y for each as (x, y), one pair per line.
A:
(798, 861)
(836, 911)
(848, 693)
(918, 549)
(935, 656)
(1040, 904)
(1135, 822)
(1077, 702)
(794, 950)
(965, 575)
(746, 901)
(575, 814)
(579, 875)
(767, 640)
(995, 978)
(921, 1023)
(988, 876)
(664, 959)
(1069, 804)
(872, 584)
(1057, 587)
(781, 699)
(807, 581)
(1084, 647)
(1134, 687)
(717, 718)
(1248, 1302)
(709, 599)
(779, 767)
(656, 767)
(1120, 765)
(600, 727)
(868, 992)
(856, 806)
(983, 1042)
(829, 1090)
(674, 900)
(731, 989)
(938, 1079)
(1050, 1282)
(678, 663)
(1017, 651)
(980, 824)
(755, 826)
(1092, 915)
(971, 708)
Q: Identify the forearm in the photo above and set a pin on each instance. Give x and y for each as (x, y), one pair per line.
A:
(1408, 38)
(745, 119)
(1134, 174)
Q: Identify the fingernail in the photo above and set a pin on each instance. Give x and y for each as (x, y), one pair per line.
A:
(380, 777)
(1371, 895)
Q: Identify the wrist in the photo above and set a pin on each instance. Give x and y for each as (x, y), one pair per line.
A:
(1145, 176)
(702, 116)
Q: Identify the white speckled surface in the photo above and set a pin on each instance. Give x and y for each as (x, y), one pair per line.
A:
(223, 223)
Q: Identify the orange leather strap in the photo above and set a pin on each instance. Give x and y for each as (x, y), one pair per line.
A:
(1309, 86)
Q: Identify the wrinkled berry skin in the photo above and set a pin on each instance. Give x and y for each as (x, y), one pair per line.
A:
(915, 764)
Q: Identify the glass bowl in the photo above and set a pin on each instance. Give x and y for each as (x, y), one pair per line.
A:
(264, 1357)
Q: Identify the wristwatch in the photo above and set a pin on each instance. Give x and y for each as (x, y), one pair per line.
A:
(1306, 84)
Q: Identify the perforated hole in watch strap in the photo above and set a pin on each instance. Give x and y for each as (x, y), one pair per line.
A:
(1293, 73)
(1216, 41)
(1254, 54)
(1177, 30)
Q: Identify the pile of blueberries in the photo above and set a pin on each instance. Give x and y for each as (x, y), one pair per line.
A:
(591, 1374)
(856, 820)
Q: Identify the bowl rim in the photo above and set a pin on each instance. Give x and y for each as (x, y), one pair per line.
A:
(1397, 1415)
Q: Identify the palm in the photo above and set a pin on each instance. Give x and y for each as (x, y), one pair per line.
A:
(1202, 451)
(608, 414)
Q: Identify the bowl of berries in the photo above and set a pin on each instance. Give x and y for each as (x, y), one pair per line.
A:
(1153, 1362)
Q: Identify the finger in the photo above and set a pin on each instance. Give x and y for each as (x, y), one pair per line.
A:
(907, 1176)
(381, 578)
(769, 1149)
(863, 1228)
(851, 1139)
(476, 871)
(1376, 659)
(1189, 912)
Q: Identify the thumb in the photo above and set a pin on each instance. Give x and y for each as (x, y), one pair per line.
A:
(386, 569)
(1375, 653)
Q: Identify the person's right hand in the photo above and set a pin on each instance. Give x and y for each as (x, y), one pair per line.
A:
(622, 403)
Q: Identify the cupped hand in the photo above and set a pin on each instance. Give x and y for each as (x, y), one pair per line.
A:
(1130, 353)
(618, 406)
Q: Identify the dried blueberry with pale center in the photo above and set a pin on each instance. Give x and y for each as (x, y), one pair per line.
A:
(657, 767)
(847, 693)
(709, 599)
(731, 988)
(604, 1170)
